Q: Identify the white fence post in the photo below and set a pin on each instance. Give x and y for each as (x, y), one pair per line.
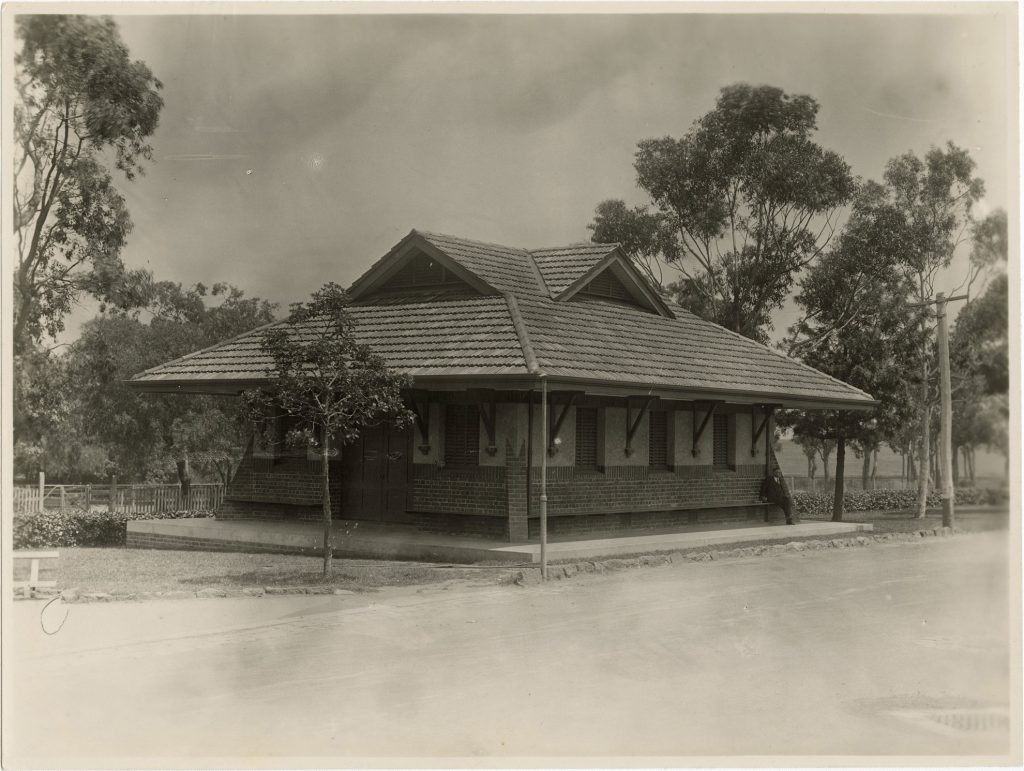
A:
(42, 484)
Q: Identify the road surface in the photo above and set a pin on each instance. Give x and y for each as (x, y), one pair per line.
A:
(889, 650)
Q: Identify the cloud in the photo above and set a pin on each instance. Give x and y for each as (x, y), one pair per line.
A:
(203, 157)
(899, 117)
(215, 129)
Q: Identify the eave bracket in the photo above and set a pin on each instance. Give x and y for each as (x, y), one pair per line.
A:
(698, 432)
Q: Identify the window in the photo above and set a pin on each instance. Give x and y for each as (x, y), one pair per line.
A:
(586, 437)
(461, 435)
(658, 440)
(720, 438)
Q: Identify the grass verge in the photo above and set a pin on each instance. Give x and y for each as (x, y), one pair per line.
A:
(138, 571)
(121, 572)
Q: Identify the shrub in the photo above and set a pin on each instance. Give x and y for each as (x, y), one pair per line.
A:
(76, 527)
(819, 505)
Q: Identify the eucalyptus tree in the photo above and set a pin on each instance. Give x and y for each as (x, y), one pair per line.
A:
(743, 202)
(82, 102)
(855, 327)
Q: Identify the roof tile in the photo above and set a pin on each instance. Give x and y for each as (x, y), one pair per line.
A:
(456, 332)
(562, 265)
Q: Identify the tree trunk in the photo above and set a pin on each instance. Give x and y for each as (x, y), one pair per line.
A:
(184, 478)
(325, 477)
(837, 499)
(824, 464)
(874, 467)
(865, 470)
(911, 469)
(956, 466)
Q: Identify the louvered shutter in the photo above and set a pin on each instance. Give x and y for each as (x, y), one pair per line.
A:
(606, 284)
(658, 440)
(586, 437)
(720, 453)
(461, 435)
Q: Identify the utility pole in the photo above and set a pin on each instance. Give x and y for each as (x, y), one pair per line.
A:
(948, 494)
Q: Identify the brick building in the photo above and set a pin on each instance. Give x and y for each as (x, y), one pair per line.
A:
(655, 418)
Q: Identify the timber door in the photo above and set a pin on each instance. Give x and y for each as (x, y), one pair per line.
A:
(375, 475)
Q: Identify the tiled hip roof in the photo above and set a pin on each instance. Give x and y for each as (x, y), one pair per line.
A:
(600, 340)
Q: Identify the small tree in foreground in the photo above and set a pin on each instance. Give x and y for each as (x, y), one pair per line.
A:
(326, 380)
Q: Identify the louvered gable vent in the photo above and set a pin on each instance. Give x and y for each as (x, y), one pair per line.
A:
(422, 271)
(609, 285)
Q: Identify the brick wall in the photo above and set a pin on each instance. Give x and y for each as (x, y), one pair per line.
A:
(477, 491)
(182, 543)
(491, 500)
(286, 487)
(606, 524)
(620, 489)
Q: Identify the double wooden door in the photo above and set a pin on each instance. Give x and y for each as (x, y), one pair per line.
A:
(376, 471)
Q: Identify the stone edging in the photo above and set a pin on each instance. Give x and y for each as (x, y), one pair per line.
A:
(559, 572)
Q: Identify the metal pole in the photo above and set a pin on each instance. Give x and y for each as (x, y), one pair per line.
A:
(529, 461)
(946, 452)
(945, 449)
(544, 479)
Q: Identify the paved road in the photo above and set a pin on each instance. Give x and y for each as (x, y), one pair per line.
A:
(857, 652)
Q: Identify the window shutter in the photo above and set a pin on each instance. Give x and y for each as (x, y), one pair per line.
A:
(720, 453)
(461, 435)
(658, 440)
(586, 437)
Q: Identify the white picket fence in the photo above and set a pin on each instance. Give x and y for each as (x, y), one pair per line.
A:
(136, 499)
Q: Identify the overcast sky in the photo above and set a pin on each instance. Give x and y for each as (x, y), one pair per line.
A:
(296, 150)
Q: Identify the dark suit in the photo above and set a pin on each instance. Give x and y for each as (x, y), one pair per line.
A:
(774, 490)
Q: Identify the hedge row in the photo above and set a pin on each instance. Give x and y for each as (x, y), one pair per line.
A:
(820, 505)
(77, 527)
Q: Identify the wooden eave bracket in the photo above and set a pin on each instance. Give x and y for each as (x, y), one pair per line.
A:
(420, 406)
(555, 423)
(767, 410)
(631, 424)
(698, 432)
(488, 412)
